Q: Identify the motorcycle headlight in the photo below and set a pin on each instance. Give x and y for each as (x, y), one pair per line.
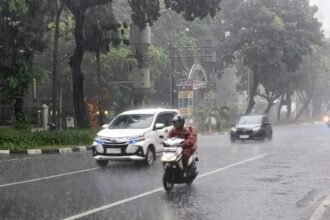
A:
(256, 129)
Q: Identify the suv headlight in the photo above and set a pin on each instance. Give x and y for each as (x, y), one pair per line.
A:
(256, 129)
(98, 140)
(134, 140)
(233, 129)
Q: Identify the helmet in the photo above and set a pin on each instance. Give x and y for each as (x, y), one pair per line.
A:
(178, 121)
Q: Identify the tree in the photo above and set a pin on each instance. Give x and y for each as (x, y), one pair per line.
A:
(78, 9)
(102, 33)
(143, 12)
(58, 11)
(272, 36)
(314, 79)
(22, 24)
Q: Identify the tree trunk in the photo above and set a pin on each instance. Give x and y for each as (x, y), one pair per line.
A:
(304, 107)
(279, 109)
(288, 105)
(77, 75)
(317, 107)
(269, 106)
(252, 93)
(55, 63)
(100, 92)
(21, 121)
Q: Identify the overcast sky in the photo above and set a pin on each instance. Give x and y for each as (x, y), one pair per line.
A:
(323, 14)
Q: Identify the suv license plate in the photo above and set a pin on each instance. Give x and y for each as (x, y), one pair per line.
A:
(244, 136)
(113, 151)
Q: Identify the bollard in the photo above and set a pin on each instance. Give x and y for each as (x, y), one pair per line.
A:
(44, 113)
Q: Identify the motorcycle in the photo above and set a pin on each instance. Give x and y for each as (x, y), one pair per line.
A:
(173, 166)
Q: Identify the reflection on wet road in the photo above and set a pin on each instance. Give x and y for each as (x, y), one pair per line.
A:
(287, 178)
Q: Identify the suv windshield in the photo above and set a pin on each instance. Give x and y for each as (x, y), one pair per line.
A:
(250, 120)
(136, 121)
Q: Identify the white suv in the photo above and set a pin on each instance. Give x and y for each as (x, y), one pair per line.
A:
(134, 135)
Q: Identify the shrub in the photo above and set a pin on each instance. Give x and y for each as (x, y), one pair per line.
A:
(26, 139)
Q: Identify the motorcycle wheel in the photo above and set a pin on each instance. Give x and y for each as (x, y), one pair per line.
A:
(191, 179)
(167, 183)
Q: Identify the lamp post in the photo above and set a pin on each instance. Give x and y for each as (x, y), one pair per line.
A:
(140, 42)
(172, 75)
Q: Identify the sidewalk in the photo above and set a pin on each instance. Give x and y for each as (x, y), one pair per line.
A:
(48, 151)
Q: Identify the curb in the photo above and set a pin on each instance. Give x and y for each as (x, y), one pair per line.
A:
(48, 151)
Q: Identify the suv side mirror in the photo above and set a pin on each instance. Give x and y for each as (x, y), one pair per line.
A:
(159, 126)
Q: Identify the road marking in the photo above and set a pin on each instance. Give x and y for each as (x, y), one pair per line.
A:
(48, 177)
(4, 151)
(231, 165)
(65, 150)
(34, 151)
(321, 209)
(25, 158)
(102, 208)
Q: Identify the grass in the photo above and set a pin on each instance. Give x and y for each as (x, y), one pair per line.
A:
(11, 139)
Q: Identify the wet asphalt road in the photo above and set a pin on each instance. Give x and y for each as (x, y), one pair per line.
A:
(287, 178)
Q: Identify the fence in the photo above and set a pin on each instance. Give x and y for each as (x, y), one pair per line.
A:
(7, 115)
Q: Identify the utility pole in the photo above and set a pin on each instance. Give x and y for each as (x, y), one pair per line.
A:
(172, 76)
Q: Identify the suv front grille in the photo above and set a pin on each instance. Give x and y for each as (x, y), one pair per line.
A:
(244, 131)
(121, 146)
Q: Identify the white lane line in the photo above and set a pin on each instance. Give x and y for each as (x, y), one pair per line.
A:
(102, 208)
(48, 177)
(29, 158)
(26, 158)
(231, 165)
(23, 158)
(321, 209)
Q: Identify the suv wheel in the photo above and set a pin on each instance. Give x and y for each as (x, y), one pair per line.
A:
(150, 156)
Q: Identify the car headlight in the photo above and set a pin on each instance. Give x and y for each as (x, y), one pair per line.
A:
(256, 129)
(98, 140)
(233, 129)
(134, 140)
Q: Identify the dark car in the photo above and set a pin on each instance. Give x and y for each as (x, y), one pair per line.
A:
(251, 127)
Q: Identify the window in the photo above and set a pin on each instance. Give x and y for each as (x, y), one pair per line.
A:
(165, 118)
(134, 121)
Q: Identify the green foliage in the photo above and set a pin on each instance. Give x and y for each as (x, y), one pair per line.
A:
(18, 7)
(145, 11)
(192, 9)
(272, 37)
(313, 75)
(148, 11)
(22, 25)
(102, 29)
(26, 139)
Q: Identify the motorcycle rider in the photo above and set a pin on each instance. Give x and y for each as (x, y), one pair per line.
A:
(186, 133)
